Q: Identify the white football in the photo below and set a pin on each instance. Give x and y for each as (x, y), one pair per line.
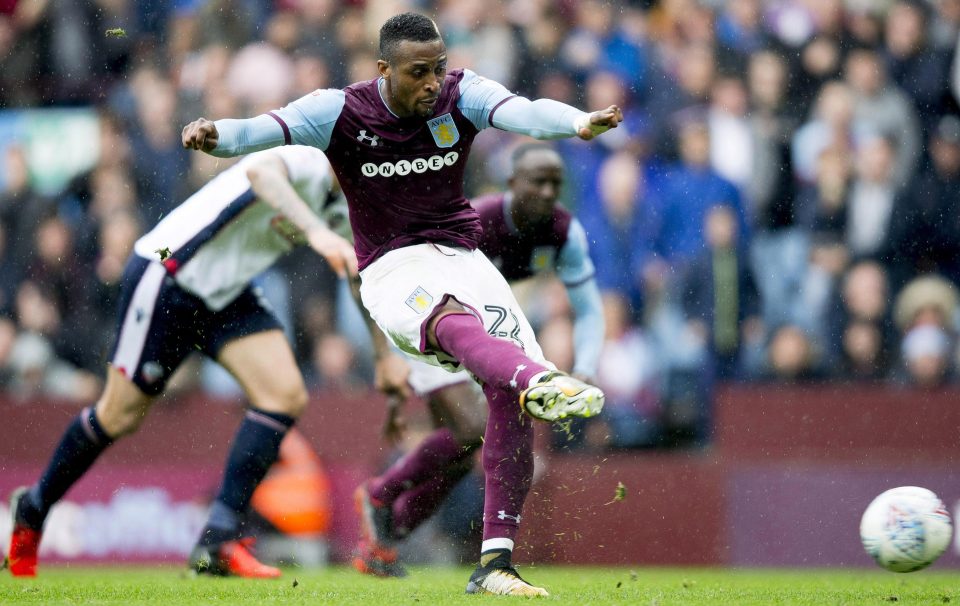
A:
(906, 529)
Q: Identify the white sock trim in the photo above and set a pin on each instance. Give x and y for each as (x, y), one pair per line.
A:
(491, 544)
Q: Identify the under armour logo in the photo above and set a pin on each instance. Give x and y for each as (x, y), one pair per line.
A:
(363, 138)
(513, 382)
(503, 515)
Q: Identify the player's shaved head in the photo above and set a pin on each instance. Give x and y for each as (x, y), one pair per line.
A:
(530, 155)
(535, 182)
(406, 26)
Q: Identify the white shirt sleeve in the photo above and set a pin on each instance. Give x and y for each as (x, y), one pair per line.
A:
(302, 162)
(309, 172)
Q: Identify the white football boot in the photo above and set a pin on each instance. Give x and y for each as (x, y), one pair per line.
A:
(556, 395)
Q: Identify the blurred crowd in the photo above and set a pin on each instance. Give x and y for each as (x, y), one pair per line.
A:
(782, 203)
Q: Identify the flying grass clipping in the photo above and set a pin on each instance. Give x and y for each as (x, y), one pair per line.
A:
(619, 494)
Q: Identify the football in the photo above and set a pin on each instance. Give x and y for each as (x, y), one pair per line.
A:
(906, 529)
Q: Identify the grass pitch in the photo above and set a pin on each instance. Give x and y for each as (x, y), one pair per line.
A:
(427, 586)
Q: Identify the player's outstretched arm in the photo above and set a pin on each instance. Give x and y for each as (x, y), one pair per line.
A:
(229, 138)
(306, 121)
(549, 119)
(488, 103)
(271, 183)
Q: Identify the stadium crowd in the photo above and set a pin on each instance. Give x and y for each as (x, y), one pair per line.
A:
(782, 205)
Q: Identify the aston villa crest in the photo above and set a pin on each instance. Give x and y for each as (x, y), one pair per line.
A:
(444, 130)
(419, 300)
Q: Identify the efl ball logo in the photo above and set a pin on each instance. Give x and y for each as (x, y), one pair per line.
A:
(906, 529)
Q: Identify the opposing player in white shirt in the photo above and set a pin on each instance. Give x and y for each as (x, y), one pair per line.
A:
(186, 287)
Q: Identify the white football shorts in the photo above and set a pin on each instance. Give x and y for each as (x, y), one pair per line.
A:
(402, 289)
(425, 379)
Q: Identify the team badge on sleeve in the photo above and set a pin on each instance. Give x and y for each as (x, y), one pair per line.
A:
(420, 300)
(444, 130)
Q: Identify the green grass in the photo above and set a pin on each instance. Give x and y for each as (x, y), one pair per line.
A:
(581, 586)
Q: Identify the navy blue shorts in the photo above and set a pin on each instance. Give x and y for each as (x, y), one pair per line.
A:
(160, 324)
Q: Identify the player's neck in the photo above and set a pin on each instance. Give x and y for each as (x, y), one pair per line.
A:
(388, 101)
(519, 221)
(516, 221)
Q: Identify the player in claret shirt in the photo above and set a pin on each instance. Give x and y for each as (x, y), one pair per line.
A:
(399, 145)
(525, 233)
(187, 287)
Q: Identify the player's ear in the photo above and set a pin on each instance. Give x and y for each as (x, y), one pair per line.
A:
(383, 67)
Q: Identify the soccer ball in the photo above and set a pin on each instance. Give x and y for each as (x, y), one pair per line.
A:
(906, 529)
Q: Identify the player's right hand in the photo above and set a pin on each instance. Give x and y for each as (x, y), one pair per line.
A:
(200, 134)
(338, 252)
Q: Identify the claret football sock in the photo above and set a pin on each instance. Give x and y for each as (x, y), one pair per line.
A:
(255, 448)
(507, 464)
(81, 444)
(414, 506)
(437, 451)
(494, 361)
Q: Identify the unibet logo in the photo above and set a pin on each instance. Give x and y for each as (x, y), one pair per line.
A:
(405, 167)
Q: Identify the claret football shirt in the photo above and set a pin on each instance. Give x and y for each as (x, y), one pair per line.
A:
(403, 177)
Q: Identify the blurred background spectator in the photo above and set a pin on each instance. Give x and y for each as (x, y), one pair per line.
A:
(781, 203)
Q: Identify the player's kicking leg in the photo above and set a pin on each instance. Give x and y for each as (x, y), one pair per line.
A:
(543, 393)
(393, 504)
(505, 371)
(264, 366)
(119, 412)
(467, 313)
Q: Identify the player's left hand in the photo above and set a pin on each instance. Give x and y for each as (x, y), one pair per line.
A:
(338, 252)
(395, 425)
(390, 377)
(599, 122)
(391, 373)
